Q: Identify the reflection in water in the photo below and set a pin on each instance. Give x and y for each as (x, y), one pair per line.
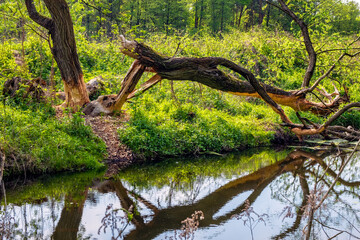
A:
(264, 195)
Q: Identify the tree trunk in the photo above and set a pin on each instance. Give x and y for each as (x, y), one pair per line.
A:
(268, 15)
(201, 13)
(138, 17)
(111, 18)
(222, 17)
(60, 27)
(167, 21)
(205, 71)
(261, 12)
(131, 14)
(196, 14)
(213, 16)
(240, 15)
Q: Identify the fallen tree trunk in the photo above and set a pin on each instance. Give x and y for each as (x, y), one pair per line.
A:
(205, 71)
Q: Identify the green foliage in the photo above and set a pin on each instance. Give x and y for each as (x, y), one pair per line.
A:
(38, 143)
(54, 186)
(158, 127)
(349, 119)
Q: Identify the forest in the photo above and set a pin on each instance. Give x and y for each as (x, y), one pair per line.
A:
(214, 76)
(179, 119)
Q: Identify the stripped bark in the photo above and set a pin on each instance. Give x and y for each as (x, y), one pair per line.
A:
(60, 28)
(113, 103)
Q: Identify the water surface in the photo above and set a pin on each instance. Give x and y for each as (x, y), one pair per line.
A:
(257, 194)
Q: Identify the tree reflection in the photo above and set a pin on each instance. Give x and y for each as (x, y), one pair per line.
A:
(70, 218)
(316, 188)
(315, 208)
(317, 169)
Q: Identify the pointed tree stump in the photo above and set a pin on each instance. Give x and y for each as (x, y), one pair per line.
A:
(109, 104)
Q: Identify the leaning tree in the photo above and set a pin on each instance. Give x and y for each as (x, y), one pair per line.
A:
(205, 71)
(60, 28)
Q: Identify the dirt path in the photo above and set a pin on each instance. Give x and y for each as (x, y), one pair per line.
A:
(119, 156)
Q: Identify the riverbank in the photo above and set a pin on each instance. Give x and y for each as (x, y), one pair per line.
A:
(37, 141)
(173, 118)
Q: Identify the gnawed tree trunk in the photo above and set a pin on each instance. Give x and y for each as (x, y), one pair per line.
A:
(60, 27)
(113, 103)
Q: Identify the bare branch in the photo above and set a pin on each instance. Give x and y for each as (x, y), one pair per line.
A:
(298, 131)
(336, 49)
(330, 70)
(256, 85)
(337, 176)
(307, 41)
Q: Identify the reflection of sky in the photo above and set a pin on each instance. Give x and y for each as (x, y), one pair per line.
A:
(160, 197)
(42, 217)
(272, 201)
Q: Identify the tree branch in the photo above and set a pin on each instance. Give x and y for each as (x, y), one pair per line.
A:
(307, 41)
(327, 72)
(256, 85)
(145, 86)
(36, 17)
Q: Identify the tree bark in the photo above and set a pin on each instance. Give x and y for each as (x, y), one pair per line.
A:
(196, 21)
(201, 13)
(60, 27)
(222, 16)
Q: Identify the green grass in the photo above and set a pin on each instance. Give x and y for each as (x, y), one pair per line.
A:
(160, 127)
(36, 142)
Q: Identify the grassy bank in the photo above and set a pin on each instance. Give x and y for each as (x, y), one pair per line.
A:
(171, 118)
(36, 142)
(215, 122)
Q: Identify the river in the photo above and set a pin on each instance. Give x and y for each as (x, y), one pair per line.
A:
(253, 194)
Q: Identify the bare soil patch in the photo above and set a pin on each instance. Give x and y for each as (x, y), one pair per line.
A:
(106, 127)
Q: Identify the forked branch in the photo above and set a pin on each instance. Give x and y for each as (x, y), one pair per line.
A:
(37, 17)
(307, 41)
